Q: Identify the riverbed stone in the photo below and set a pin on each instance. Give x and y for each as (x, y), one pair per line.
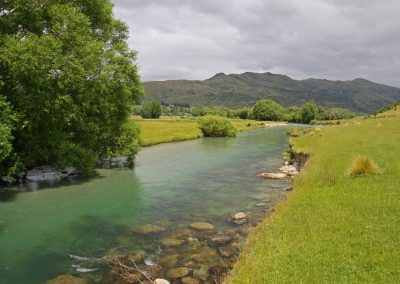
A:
(179, 272)
(227, 251)
(161, 281)
(239, 218)
(199, 226)
(217, 272)
(221, 240)
(172, 242)
(169, 260)
(70, 279)
(189, 280)
(273, 175)
(136, 257)
(149, 229)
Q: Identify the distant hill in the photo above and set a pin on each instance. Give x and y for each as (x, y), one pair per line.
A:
(237, 90)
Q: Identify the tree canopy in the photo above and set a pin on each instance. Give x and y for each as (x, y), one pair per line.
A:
(151, 109)
(267, 110)
(68, 75)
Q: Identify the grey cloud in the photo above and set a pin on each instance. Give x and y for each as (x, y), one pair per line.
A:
(333, 39)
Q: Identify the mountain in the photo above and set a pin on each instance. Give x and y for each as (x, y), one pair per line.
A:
(237, 90)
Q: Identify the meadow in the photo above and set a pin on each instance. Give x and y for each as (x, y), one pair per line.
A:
(334, 227)
(172, 129)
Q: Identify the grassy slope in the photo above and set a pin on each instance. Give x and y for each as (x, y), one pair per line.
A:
(333, 228)
(167, 129)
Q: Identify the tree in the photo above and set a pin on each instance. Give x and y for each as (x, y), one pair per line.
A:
(66, 69)
(216, 126)
(310, 111)
(267, 110)
(151, 109)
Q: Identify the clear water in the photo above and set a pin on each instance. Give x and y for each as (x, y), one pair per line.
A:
(200, 180)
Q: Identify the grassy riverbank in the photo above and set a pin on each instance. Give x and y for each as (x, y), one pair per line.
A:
(334, 228)
(171, 129)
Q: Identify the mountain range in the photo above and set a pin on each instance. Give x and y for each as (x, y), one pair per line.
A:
(239, 90)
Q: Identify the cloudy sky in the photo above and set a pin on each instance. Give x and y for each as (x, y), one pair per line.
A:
(333, 39)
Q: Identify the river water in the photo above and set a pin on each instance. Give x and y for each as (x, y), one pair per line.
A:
(70, 227)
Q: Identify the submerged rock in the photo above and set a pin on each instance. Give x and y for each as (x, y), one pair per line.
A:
(149, 229)
(202, 226)
(172, 242)
(239, 218)
(70, 279)
(136, 257)
(272, 175)
(179, 272)
(221, 240)
(190, 280)
(227, 252)
(169, 260)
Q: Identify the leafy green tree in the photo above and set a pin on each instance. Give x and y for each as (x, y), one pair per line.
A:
(216, 126)
(267, 110)
(66, 69)
(336, 113)
(310, 111)
(151, 109)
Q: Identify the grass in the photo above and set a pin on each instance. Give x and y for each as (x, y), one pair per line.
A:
(334, 228)
(172, 129)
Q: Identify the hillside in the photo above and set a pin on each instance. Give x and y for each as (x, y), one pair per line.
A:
(237, 90)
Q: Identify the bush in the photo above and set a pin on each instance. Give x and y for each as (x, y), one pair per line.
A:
(216, 126)
(267, 110)
(151, 109)
(310, 111)
(363, 166)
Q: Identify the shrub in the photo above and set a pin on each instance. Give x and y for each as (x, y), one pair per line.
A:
(363, 166)
(151, 109)
(267, 110)
(310, 111)
(216, 126)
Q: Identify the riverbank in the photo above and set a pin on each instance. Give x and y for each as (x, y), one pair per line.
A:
(173, 129)
(333, 227)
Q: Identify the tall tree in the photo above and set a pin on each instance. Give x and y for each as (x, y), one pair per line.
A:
(66, 69)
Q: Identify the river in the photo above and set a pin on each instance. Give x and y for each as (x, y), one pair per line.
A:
(70, 227)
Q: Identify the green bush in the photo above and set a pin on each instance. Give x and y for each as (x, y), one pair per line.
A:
(267, 110)
(151, 109)
(216, 126)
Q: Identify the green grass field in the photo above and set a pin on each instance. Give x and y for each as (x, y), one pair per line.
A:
(171, 129)
(334, 228)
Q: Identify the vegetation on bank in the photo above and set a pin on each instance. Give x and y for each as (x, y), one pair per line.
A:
(216, 126)
(334, 227)
(171, 129)
(68, 81)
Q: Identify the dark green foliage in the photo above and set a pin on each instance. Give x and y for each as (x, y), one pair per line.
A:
(388, 107)
(310, 111)
(216, 126)
(151, 109)
(267, 110)
(68, 73)
(336, 113)
(235, 91)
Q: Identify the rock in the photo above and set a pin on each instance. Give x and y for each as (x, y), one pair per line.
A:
(221, 240)
(239, 218)
(149, 229)
(189, 280)
(202, 226)
(227, 251)
(217, 272)
(161, 281)
(181, 234)
(164, 222)
(289, 170)
(43, 174)
(70, 279)
(172, 242)
(273, 175)
(169, 260)
(179, 272)
(136, 257)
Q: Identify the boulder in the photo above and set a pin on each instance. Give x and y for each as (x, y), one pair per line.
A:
(273, 175)
(148, 229)
(179, 272)
(202, 226)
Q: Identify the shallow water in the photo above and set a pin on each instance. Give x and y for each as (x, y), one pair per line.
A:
(72, 226)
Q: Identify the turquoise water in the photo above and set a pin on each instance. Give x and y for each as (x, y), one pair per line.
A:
(206, 180)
